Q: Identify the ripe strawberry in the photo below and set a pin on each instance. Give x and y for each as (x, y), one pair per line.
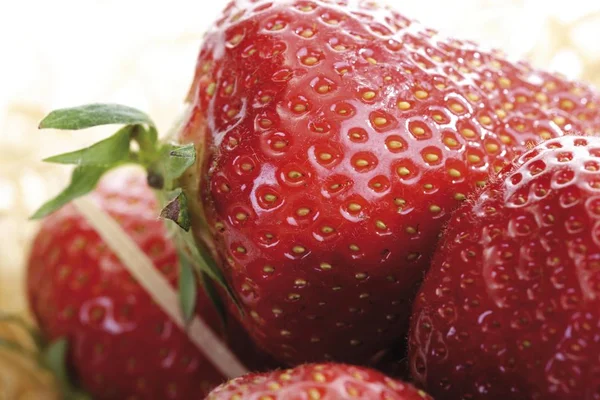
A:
(122, 345)
(511, 305)
(317, 381)
(337, 137)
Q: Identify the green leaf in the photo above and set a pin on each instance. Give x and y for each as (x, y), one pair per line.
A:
(213, 295)
(90, 115)
(147, 140)
(95, 160)
(151, 135)
(179, 159)
(177, 211)
(205, 263)
(188, 288)
(202, 259)
(83, 181)
(199, 258)
(55, 359)
(104, 153)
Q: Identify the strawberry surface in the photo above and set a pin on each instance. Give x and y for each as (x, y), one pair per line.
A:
(510, 307)
(317, 382)
(122, 345)
(335, 138)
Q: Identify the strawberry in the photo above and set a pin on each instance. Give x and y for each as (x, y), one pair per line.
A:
(335, 138)
(122, 345)
(317, 381)
(511, 305)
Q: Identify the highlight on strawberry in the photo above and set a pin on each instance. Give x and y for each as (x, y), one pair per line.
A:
(510, 307)
(323, 149)
(102, 278)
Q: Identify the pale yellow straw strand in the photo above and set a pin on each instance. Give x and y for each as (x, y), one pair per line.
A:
(142, 269)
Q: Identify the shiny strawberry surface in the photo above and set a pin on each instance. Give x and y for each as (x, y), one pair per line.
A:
(317, 382)
(336, 137)
(510, 307)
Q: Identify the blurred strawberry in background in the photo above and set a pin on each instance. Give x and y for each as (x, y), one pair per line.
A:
(121, 344)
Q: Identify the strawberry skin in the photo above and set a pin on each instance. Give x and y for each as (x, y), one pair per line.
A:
(122, 345)
(336, 138)
(511, 305)
(317, 382)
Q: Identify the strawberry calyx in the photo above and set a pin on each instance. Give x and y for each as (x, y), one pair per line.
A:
(137, 142)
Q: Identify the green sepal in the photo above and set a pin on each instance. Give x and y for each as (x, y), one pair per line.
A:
(216, 300)
(147, 140)
(177, 159)
(177, 211)
(83, 181)
(165, 163)
(188, 288)
(107, 152)
(90, 115)
(54, 358)
(201, 261)
(147, 137)
(171, 163)
(92, 162)
(207, 265)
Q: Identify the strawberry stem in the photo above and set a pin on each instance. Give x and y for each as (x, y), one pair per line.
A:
(137, 143)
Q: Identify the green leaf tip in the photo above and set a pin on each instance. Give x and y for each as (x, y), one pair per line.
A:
(91, 115)
(215, 298)
(106, 152)
(55, 359)
(55, 356)
(177, 211)
(92, 162)
(186, 152)
(188, 289)
(83, 181)
(177, 159)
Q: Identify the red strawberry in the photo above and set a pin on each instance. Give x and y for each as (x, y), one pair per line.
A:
(317, 382)
(337, 137)
(510, 308)
(122, 345)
